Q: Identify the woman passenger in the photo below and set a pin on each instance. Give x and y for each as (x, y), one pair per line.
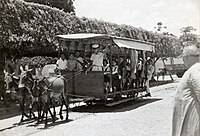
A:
(72, 64)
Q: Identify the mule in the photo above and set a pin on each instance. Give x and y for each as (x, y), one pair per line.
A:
(22, 95)
(53, 88)
(48, 88)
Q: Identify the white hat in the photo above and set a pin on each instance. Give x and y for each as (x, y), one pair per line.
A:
(95, 46)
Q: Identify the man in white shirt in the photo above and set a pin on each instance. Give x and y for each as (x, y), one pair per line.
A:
(97, 58)
(62, 62)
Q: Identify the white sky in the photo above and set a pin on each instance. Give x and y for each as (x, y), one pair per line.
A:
(174, 14)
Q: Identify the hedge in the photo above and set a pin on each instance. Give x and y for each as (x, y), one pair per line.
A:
(31, 28)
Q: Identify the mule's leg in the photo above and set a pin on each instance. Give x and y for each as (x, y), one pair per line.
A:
(39, 108)
(22, 110)
(52, 115)
(66, 105)
(60, 113)
(49, 110)
(54, 108)
(22, 102)
(46, 113)
(31, 112)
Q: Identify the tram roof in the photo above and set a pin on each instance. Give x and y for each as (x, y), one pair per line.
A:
(120, 41)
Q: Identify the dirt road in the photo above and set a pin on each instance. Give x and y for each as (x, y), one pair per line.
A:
(147, 117)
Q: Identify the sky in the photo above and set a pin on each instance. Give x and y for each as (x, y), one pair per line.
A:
(174, 14)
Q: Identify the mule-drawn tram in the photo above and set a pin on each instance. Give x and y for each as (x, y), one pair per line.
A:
(107, 87)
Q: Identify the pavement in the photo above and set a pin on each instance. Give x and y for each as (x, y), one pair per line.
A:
(149, 116)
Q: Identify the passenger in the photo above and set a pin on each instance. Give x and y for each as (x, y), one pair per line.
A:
(79, 58)
(106, 67)
(139, 68)
(122, 70)
(128, 70)
(97, 58)
(62, 62)
(115, 77)
(150, 70)
(73, 64)
(128, 74)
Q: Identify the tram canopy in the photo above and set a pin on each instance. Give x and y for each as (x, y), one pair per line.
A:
(120, 41)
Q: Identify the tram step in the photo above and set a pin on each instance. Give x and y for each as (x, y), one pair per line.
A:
(122, 101)
(126, 91)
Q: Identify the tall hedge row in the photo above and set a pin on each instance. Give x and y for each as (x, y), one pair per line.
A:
(31, 28)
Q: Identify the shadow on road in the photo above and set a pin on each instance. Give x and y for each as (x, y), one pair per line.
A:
(131, 105)
(8, 112)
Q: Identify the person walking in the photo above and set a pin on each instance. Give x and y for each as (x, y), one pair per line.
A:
(186, 110)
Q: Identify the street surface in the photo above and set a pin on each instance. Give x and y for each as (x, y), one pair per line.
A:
(145, 117)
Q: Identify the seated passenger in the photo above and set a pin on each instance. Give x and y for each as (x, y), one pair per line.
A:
(62, 62)
(72, 64)
(79, 58)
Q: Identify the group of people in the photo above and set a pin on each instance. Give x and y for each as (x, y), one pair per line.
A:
(74, 63)
(121, 73)
(119, 70)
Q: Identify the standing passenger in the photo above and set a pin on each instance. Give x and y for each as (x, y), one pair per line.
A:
(97, 58)
(122, 70)
(150, 70)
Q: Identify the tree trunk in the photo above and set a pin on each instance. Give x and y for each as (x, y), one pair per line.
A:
(2, 88)
(166, 70)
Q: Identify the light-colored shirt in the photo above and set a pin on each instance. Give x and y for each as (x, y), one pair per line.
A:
(106, 69)
(114, 69)
(186, 113)
(62, 64)
(139, 66)
(97, 59)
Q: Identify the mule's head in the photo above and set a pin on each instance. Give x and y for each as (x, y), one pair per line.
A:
(8, 81)
(26, 80)
(11, 81)
(42, 84)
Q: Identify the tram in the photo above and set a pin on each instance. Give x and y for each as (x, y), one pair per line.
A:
(97, 87)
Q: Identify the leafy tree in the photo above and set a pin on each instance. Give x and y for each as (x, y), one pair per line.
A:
(188, 35)
(32, 28)
(66, 5)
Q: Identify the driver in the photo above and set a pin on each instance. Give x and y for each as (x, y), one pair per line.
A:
(97, 58)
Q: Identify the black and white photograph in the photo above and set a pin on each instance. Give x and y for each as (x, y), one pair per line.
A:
(99, 67)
